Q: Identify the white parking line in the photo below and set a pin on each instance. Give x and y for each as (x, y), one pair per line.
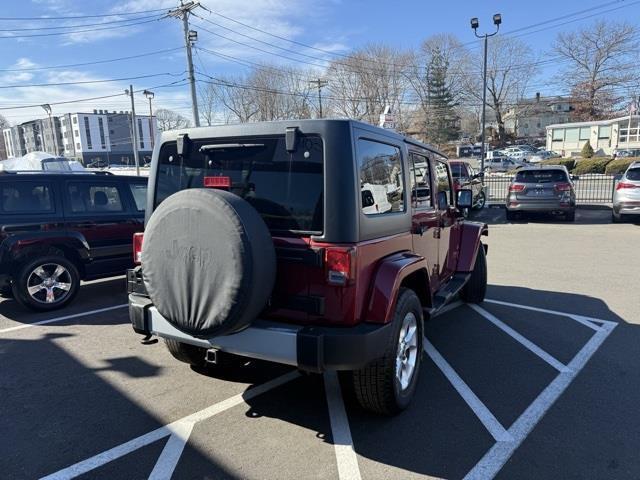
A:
(528, 344)
(497, 456)
(491, 423)
(346, 457)
(171, 452)
(586, 321)
(176, 427)
(61, 319)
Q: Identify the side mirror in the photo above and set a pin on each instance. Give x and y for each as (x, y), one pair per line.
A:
(575, 177)
(465, 199)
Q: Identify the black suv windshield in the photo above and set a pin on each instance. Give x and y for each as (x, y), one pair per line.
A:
(285, 188)
(541, 176)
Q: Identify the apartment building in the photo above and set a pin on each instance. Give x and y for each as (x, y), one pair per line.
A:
(97, 138)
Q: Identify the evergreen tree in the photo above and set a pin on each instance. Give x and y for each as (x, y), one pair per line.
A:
(442, 124)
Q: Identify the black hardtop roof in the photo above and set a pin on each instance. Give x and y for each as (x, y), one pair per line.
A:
(279, 127)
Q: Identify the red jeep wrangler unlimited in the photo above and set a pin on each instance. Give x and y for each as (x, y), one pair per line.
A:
(321, 244)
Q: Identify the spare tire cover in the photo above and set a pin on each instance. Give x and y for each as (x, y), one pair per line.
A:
(208, 262)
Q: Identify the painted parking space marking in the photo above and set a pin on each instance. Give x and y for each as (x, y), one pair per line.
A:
(63, 318)
(168, 460)
(586, 321)
(493, 461)
(491, 423)
(176, 428)
(346, 457)
(528, 344)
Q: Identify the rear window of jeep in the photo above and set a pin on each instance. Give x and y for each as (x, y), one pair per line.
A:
(285, 188)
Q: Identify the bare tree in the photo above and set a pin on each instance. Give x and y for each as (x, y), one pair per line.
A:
(510, 68)
(600, 57)
(170, 120)
(208, 103)
(369, 80)
(265, 93)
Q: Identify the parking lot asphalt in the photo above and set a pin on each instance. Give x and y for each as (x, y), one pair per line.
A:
(540, 382)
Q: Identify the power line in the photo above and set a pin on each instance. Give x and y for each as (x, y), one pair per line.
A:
(69, 17)
(97, 62)
(73, 32)
(84, 82)
(177, 83)
(82, 25)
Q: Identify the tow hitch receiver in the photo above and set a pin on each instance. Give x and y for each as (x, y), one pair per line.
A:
(211, 356)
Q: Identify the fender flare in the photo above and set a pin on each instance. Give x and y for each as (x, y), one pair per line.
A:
(470, 237)
(12, 246)
(386, 283)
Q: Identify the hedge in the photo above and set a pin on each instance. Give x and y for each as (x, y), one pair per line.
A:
(619, 165)
(592, 165)
(570, 163)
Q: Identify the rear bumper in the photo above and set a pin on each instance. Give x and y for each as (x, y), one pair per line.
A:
(528, 206)
(309, 348)
(626, 206)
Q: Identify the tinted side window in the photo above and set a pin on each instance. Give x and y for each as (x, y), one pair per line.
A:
(94, 198)
(380, 177)
(420, 182)
(443, 185)
(139, 193)
(26, 197)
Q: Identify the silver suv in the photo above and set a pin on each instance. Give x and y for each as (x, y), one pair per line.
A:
(626, 198)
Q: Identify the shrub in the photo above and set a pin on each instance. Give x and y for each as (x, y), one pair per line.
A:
(592, 165)
(570, 163)
(619, 165)
(587, 150)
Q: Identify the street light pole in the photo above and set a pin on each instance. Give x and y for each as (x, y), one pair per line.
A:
(134, 132)
(150, 96)
(497, 20)
(47, 108)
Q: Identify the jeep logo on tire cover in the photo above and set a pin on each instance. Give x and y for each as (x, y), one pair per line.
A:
(198, 256)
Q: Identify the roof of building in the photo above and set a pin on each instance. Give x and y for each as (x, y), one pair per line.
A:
(593, 122)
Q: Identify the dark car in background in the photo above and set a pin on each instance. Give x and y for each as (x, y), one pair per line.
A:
(542, 189)
(57, 229)
(465, 176)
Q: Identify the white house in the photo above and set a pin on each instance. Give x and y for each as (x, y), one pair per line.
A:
(605, 136)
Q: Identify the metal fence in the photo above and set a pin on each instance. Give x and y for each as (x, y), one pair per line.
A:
(591, 189)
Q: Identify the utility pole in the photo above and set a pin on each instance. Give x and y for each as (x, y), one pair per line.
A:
(134, 132)
(319, 83)
(47, 108)
(497, 20)
(190, 36)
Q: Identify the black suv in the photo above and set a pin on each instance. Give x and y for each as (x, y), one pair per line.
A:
(59, 228)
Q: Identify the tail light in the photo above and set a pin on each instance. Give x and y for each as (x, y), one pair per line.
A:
(516, 187)
(340, 265)
(622, 185)
(563, 187)
(137, 248)
(217, 182)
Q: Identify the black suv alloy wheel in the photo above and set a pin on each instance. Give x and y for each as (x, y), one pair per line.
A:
(46, 283)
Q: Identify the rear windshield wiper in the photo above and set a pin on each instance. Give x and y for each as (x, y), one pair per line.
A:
(226, 146)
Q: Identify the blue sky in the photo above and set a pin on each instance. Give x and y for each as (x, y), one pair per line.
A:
(332, 25)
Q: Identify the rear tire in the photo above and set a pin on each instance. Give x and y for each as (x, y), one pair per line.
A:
(571, 216)
(195, 356)
(46, 283)
(6, 291)
(387, 385)
(616, 218)
(475, 289)
(511, 216)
